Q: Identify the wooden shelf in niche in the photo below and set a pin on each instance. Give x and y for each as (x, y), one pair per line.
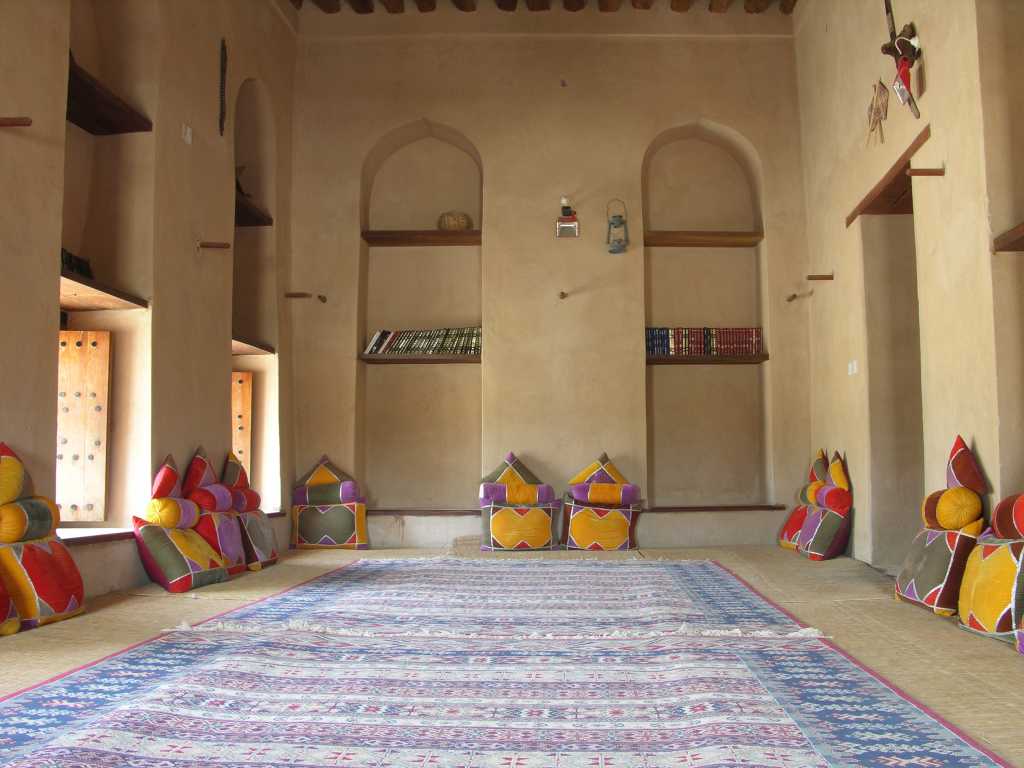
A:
(242, 347)
(248, 214)
(80, 294)
(96, 109)
(418, 359)
(410, 238)
(1010, 241)
(708, 359)
(683, 238)
(719, 508)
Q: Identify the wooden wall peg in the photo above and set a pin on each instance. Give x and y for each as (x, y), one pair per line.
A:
(15, 122)
(212, 244)
(803, 295)
(304, 295)
(926, 171)
(563, 295)
(829, 276)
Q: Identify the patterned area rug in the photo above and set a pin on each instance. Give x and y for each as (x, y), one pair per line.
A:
(485, 664)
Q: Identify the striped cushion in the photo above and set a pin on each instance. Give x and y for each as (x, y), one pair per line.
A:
(32, 518)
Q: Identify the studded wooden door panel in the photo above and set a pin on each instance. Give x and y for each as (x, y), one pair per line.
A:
(83, 396)
(241, 418)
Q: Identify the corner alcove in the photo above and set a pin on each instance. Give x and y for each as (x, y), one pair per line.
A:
(706, 420)
(255, 418)
(419, 438)
(108, 220)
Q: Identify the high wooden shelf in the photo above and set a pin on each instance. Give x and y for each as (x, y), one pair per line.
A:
(1011, 240)
(692, 238)
(411, 238)
(95, 108)
(80, 294)
(893, 194)
(708, 359)
(719, 508)
(418, 359)
(248, 214)
(242, 347)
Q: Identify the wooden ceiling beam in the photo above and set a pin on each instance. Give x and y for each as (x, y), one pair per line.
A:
(719, 6)
(642, 5)
(681, 6)
(787, 6)
(608, 6)
(426, 6)
(756, 6)
(331, 6)
(297, 4)
(506, 5)
(574, 5)
(466, 6)
(538, 5)
(393, 6)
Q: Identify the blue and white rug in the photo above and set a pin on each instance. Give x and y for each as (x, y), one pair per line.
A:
(485, 664)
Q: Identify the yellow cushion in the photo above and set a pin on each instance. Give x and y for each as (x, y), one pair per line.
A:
(172, 513)
(958, 507)
(520, 493)
(12, 475)
(521, 528)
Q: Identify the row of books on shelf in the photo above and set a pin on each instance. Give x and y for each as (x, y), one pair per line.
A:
(707, 342)
(431, 341)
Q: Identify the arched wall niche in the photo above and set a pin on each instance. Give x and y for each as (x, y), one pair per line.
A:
(704, 176)
(254, 295)
(398, 168)
(410, 176)
(720, 145)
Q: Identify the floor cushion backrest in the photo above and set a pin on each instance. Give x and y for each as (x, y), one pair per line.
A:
(991, 598)
(42, 580)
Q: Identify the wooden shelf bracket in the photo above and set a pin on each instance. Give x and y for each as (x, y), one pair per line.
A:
(829, 276)
(15, 122)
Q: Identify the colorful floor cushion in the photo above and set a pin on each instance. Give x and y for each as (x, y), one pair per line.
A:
(992, 593)
(258, 539)
(789, 535)
(10, 621)
(178, 559)
(223, 532)
(600, 471)
(339, 526)
(817, 476)
(962, 470)
(35, 517)
(825, 531)
(824, 534)
(513, 483)
(588, 526)
(518, 527)
(1008, 518)
(329, 493)
(42, 581)
(934, 568)
(951, 509)
(12, 475)
(606, 493)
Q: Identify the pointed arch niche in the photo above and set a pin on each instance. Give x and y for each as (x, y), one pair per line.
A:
(706, 422)
(255, 402)
(419, 428)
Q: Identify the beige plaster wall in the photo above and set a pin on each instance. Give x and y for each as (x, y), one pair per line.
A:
(1000, 25)
(894, 384)
(136, 205)
(33, 69)
(561, 379)
(837, 48)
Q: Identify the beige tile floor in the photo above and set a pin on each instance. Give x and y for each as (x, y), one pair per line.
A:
(975, 683)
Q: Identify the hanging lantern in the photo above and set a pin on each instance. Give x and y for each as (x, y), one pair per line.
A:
(618, 228)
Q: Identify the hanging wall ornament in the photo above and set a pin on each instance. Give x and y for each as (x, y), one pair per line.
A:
(878, 111)
(905, 49)
(618, 227)
(223, 84)
(567, 225)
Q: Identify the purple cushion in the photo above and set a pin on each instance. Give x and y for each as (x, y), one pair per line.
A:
(498, 493)
(323, 495)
